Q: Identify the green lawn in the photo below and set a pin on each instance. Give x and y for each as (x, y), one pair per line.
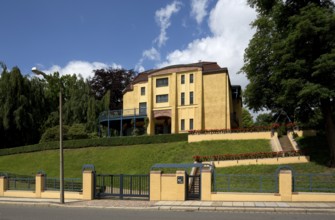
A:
(310, 177)
(312, 167)
(136, 159)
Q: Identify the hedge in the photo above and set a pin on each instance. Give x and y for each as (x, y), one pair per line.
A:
(98, 142)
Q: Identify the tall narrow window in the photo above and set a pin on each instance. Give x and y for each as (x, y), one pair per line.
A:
(182, 124)
(191, 124)
(191, 98)
(182, 98)
(191, 78)
(182, 79)
(143, 108)
(142, 90)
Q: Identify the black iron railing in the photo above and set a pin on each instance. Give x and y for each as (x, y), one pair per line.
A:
(245, 183)
(70, 184)
(122, 185)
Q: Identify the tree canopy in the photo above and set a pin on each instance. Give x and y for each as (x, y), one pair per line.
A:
(22, 109)
(29, 106)
(112, 80)
(290, 61)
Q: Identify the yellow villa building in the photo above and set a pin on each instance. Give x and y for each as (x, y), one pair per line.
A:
(178, 98)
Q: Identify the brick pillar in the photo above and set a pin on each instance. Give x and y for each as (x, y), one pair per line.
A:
(155, 185)
(285, 185)
(2, 185)
(206, 185)
(88, 185)
(39, 184)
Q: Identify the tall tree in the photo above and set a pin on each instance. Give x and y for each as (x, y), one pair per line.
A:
(247, 120)
(290, 61)
(113, 80)
(76, 94)
(21, 109)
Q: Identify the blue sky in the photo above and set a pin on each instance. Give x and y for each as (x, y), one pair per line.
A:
(77, 36)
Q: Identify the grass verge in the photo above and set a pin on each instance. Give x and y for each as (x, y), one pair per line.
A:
(136, 159)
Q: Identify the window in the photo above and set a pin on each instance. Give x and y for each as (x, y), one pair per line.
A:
(191, 78)
(182, 99)
(182, 79)
(162, 98)
(191, 124)
(162, 82)
(142, 90)
(143, 108)
(182, 124)
(191, 98)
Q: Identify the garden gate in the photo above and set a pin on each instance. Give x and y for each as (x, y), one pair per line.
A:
(122, 185)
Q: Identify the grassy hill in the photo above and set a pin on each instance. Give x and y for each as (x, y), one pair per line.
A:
(136, 159)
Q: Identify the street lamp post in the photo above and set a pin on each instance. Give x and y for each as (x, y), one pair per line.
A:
(61, 155)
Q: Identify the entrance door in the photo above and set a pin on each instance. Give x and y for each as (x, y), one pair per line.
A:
(193, 186)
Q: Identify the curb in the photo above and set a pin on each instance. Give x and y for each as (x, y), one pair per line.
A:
(186, 208)
(249, 209)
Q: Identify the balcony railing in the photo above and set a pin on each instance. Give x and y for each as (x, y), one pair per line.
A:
(122, 113)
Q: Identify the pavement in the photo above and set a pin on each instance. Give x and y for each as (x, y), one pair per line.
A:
(277, 207)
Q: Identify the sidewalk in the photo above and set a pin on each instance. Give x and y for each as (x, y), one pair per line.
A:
(278, 207)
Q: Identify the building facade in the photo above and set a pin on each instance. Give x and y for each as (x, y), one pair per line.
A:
(179, 98)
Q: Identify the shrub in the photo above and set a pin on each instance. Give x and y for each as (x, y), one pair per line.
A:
(77, 131)
(52, 134)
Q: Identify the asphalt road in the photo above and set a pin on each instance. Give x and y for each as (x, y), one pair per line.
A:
(18, 212)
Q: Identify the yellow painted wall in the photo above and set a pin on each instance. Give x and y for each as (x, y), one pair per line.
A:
(165, 186)
(67, 195)
(212, 102)
(131, 99)
(215, 101)
(262, 161)
(186, 113)
(230, 136)
(2, 185)
(162, 91)
(189, 111)
(313, 197)
(199, 114)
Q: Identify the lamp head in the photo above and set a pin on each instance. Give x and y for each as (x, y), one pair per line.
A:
(35, 70)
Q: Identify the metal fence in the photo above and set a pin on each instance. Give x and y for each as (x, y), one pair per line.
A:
(245, 183)
(21, 183)
(70, 184)
(314, 183)
(122, 185)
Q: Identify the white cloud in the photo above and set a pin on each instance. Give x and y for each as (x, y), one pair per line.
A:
(84, 68)
(151, 54)
(199, 9)
(163, 16)
(230, 34)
